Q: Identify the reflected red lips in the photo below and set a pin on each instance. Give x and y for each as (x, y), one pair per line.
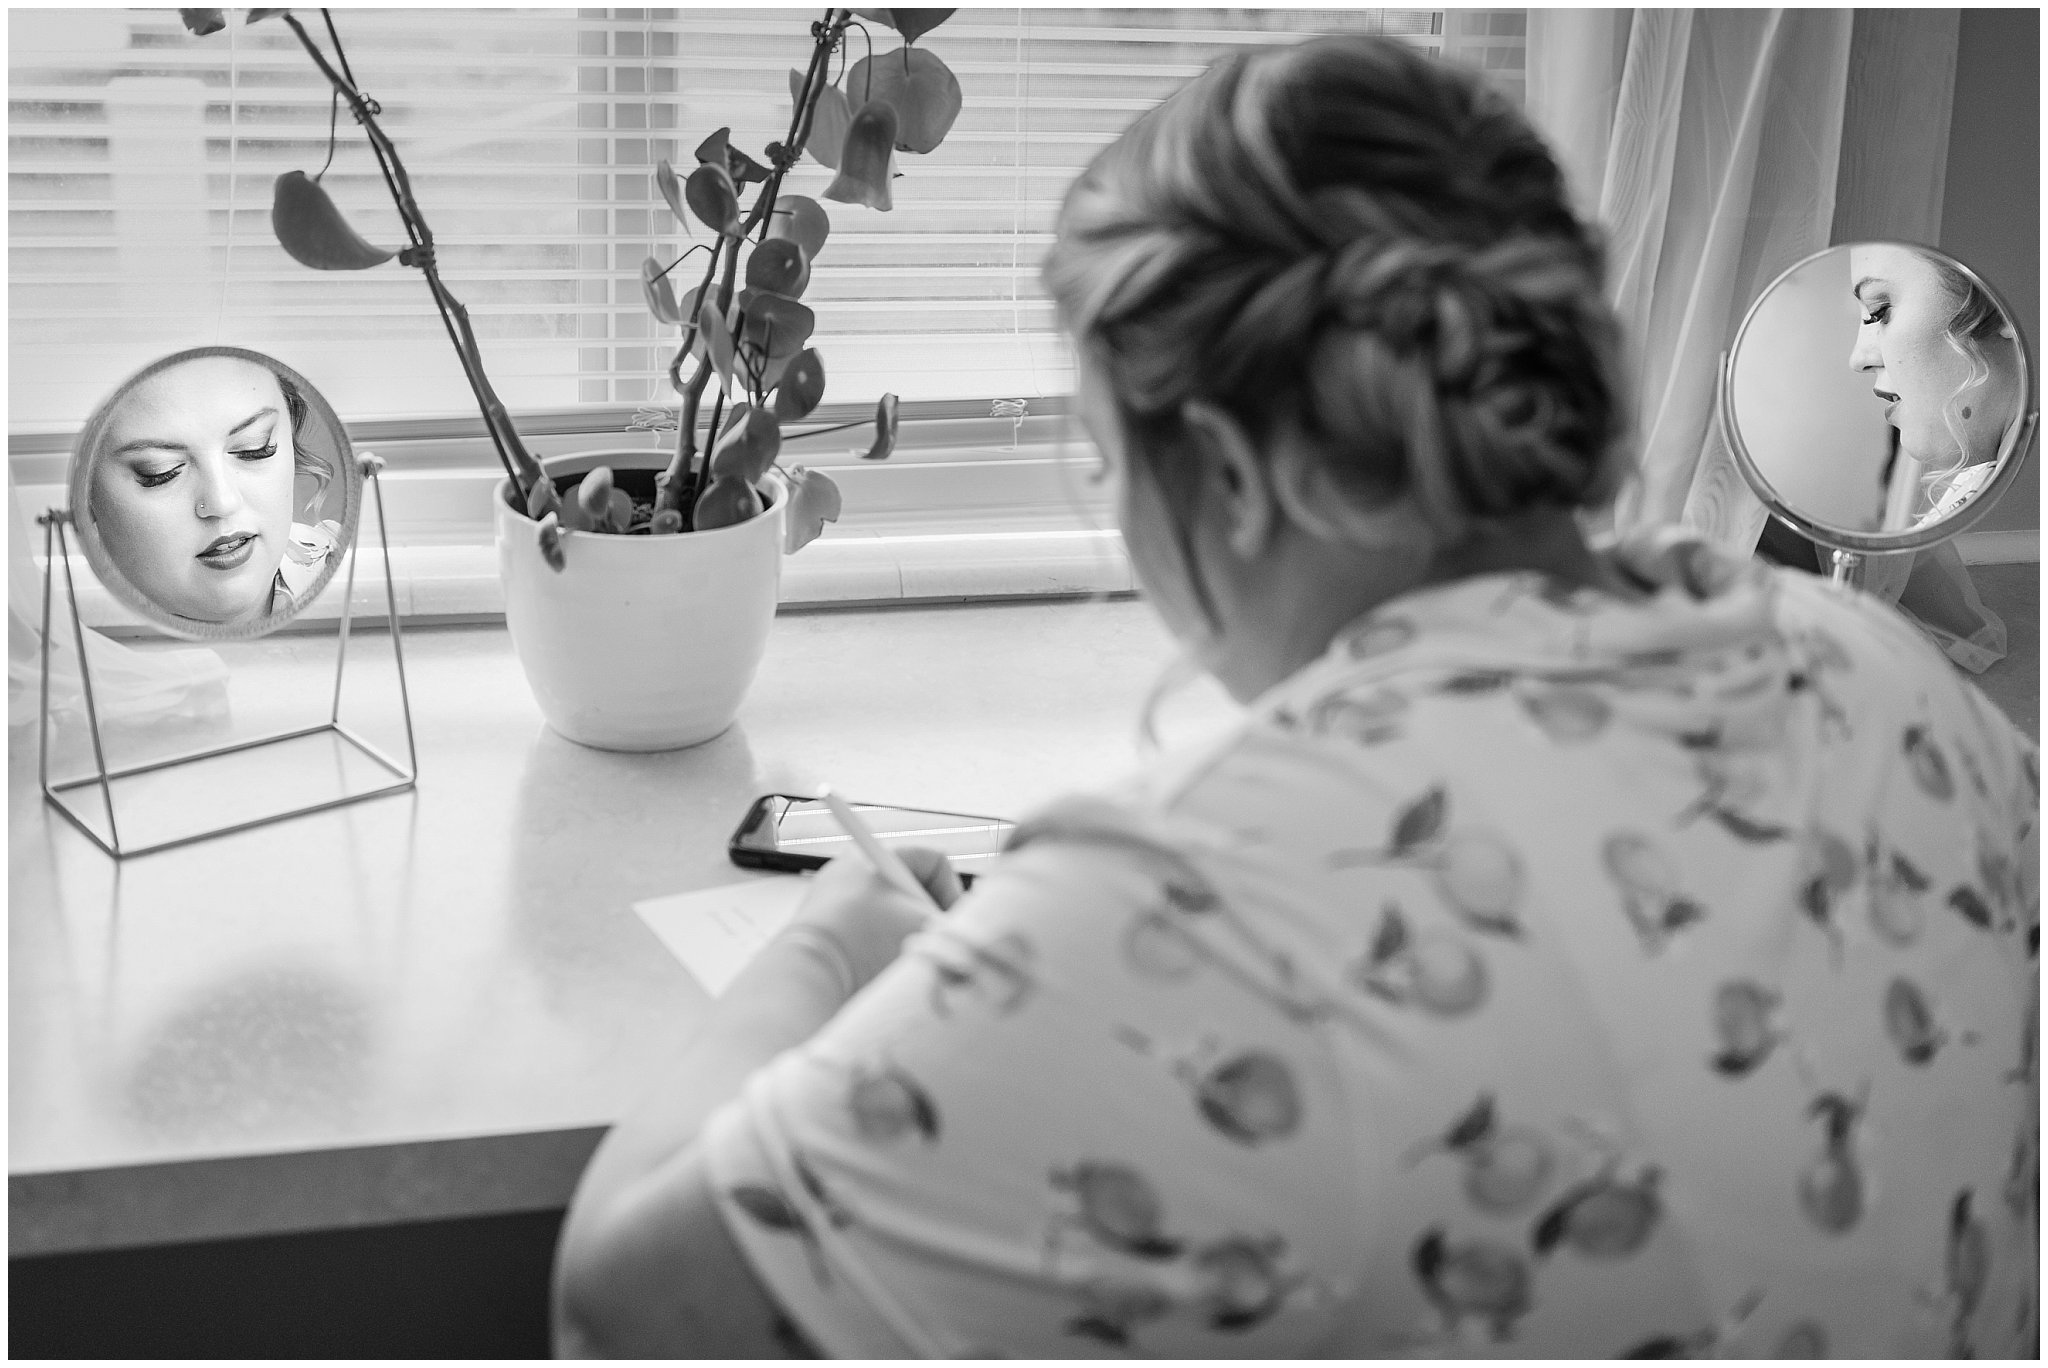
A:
(229, 552)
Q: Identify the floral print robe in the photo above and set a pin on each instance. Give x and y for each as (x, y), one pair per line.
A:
(1539, 973)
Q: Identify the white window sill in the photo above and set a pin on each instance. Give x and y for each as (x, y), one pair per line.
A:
(968, 508)
(869, 564)
(854, 566)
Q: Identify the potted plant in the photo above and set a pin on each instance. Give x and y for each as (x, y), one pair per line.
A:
(640, 585)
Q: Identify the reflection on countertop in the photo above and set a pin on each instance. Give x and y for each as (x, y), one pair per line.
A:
(430, 1004)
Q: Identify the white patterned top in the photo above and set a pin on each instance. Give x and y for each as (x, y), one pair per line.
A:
(1539, 973)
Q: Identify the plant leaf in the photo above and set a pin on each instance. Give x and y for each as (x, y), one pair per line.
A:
(914, 24)
(802, 220)
(719, 151)
(666, 522)
(714, 148)
(813, 501)
(257, 16)
(777, 266)
(200, 22)
(312, 230)
(671, 190)
(548, 536)
(773, 325)
(715, 341)
(542, 499)
(829, 120)
(743, 168)
(773, 370)
(885, 430)
(746, 449)
(864, 160)
(724, 502)
(571, 515)
(801, 385)
(712, 198)
(922, 88)
(911, 23)
(621, 513)
(661, 296)
(594, 496)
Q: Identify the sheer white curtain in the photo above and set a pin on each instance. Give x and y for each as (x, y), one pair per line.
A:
(1710, 146)
(1706, 143)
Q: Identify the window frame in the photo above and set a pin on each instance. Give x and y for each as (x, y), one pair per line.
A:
(958, 472)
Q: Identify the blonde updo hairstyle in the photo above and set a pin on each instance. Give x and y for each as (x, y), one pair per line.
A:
(1350, 242)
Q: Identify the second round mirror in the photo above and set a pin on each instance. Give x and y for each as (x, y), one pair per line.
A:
(215, 492)
(1879, 396)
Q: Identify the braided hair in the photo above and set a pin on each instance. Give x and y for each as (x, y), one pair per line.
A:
(1351, 242)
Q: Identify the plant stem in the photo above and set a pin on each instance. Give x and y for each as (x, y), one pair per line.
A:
(519, 463)
(820, 432)
(679, 479)
(673, 488)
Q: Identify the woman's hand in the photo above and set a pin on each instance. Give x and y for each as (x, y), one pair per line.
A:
(645, 1209)
(865, 918)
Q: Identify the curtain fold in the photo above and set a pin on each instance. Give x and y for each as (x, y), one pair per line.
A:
(1706, 144)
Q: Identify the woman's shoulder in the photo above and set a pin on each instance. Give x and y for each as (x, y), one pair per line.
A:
(1951, 492)
(1355, 749)
(308, 550)
(1872, 648)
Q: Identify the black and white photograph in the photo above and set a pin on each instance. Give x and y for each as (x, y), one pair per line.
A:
(1049, 683)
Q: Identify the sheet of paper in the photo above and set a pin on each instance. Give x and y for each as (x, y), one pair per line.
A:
(715, 931)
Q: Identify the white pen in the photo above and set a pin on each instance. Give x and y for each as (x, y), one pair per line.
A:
(887, 862)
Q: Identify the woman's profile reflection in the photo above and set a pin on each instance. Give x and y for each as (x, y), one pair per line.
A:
(1944, 362)
(196, 481)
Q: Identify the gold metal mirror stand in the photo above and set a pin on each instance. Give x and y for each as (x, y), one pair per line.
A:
(56, 550)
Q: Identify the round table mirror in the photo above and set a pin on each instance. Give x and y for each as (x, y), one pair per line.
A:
(216, 493)
(1879, 397)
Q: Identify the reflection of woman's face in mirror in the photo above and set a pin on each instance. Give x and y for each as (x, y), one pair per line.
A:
(192, 487)
(1936, 356)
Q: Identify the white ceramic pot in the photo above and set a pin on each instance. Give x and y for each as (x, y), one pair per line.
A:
(642, 643)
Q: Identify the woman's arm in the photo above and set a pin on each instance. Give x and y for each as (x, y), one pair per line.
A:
(645, 1267)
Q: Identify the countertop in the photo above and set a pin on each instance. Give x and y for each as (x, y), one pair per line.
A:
(431, 1004)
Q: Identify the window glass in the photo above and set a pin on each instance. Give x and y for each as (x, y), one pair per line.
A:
(142, 160)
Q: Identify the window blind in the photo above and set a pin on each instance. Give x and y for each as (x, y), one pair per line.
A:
(142, 158)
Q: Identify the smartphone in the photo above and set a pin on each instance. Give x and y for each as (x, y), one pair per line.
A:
(784, 832)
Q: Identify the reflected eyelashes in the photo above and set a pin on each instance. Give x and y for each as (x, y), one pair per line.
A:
(215, 493)
(151, 479)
